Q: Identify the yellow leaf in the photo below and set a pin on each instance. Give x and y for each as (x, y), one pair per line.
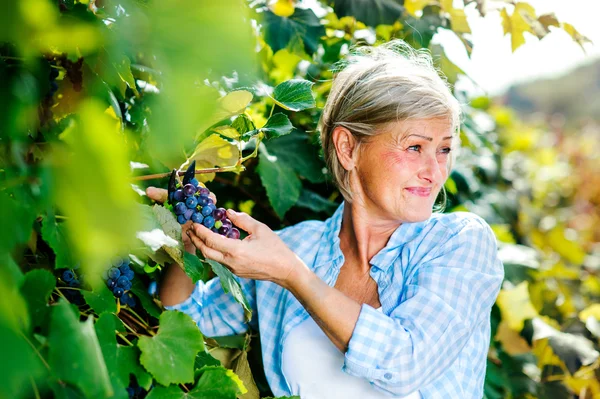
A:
(237, 380)
(457, 17)
(284, 63)
(283, 8)
(516, 306)
(590, 311)
(503, 233)
(414, 7)
(227, 131)
(233, 103)
(214, 151)
(246, 206)
(569, 250)
(518, 23)
(545, 355)
(511, 341)
(578, 37)
(506, 24)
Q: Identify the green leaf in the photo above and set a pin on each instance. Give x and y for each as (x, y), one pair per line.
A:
(128, 361)
(19, 217)
(75, 355)
(313, 201)
(243, 124)
(277, 125)
(106, 326)
(303, 24)
(294, 95)
(295, 150)
(194, 268)
(205, 359)
(55, 234)
(36, 290)
(216, 382)
(169, 355)
(101, 299)
(280, 181)
(146, 300)
(371, 12)
(230, 285)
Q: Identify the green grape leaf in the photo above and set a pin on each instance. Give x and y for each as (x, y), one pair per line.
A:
(231, 285)
(205, 359)
(36, 290)
(371, 12)
(303, 24)
(313, 201)
(194, 268)
(106, 326)
(146, 300)
(19, 217)
(243, 124)
(216, 382)
(295, 150)
(294, 95)
(101, 299)
(55, 235)
(75, 355)
(169, 355)
(128, 362)
(282, 185)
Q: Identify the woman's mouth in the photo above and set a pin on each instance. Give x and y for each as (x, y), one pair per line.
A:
(419, 191)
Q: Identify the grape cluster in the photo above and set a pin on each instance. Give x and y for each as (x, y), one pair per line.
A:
(192, 202)
(69, 277)
(118, 279)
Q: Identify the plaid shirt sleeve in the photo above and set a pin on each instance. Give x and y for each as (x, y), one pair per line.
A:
(217, 313)
(450, 294)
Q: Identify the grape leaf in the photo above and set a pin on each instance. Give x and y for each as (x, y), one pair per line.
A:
(194, 267)
(282, 185)
(371, 12)
(231, 285)
(75, 355)
(105, 326)
(313, 201)
(101, 299)
(19, 217)
(295, 151)
(243, 124)
(303, 24)
(172, 229)
(36, 290)
(169, 355)
(128, 361)
(216, 382)
(277, 125)
(55, 235)
(146, 301)
(294, 95)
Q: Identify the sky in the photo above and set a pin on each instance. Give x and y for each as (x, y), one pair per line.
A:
(494, 67)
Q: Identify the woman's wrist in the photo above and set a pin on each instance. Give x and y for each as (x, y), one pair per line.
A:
(299, 276)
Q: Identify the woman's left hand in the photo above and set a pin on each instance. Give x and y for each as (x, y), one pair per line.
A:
(262, 255)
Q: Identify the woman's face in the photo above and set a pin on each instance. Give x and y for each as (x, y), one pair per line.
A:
(400, 171)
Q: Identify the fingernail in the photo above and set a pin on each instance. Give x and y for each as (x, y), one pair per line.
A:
(231, 212)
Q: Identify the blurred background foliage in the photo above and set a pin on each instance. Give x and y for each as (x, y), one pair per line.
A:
(98, 98)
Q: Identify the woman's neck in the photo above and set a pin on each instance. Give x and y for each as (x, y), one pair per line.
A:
(362, 236)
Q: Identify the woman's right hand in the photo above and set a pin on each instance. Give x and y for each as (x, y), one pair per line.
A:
(160, 196)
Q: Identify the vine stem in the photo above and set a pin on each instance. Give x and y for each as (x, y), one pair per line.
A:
(182, 172)
(35, 349)
(120, 334)
(35, 388)
(138, 317)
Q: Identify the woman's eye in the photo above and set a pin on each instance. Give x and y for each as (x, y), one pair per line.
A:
(446, 150)
(414, 148)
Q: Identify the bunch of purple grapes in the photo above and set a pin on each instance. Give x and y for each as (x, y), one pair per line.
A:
(192, 202)
(118, 279)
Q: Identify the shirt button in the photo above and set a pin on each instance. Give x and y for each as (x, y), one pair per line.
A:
(388, 376)
(383, 284)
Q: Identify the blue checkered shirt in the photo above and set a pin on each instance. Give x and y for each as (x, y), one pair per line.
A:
(437, 279)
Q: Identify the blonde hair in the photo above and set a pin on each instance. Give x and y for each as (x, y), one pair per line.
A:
(374, 86)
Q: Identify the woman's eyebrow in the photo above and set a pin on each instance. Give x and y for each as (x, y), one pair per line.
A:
(427, 137)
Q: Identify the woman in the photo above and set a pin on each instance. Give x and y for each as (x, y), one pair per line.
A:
(384, 299)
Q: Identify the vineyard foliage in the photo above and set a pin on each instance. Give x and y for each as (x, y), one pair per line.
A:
(100, 99)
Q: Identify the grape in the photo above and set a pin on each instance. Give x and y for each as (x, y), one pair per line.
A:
(114, 273)
(233, 233)
(74, 283)
(197, 217)
(124, 267)
(178, 195)
(129, 274)
(203, 200)
(218, 224)
(181, 219)
(204, 191)
(180, 208)
(227, 223)
(189, 189)
(219, 213)
(191, 202)
(118, 292)
(122, 281)
(117, 262)
(214, 230)
(208, 210)
(188, 214)
(68, 276)
(111, 284)
(152, 287)
(209, 221)
(195, 182)
(223, 230)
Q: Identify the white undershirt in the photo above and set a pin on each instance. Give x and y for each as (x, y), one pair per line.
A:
(312, 366)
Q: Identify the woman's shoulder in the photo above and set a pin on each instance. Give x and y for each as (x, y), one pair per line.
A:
(456, 221)
(307, 230)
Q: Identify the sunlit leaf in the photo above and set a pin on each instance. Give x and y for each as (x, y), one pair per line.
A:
(294, 95)
(516, 306)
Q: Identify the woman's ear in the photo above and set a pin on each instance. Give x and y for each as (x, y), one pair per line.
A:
(345, 147)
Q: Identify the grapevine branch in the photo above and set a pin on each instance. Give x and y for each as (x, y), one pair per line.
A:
(182, 172)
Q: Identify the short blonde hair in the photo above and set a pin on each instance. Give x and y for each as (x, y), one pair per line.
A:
(374, 86)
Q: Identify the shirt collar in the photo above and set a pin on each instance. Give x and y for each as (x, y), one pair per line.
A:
(329, 248)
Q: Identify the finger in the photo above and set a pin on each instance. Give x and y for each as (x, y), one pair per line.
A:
(208, 252)
(213, 197)
(215, 241)
(157, 194)
(244, 221)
